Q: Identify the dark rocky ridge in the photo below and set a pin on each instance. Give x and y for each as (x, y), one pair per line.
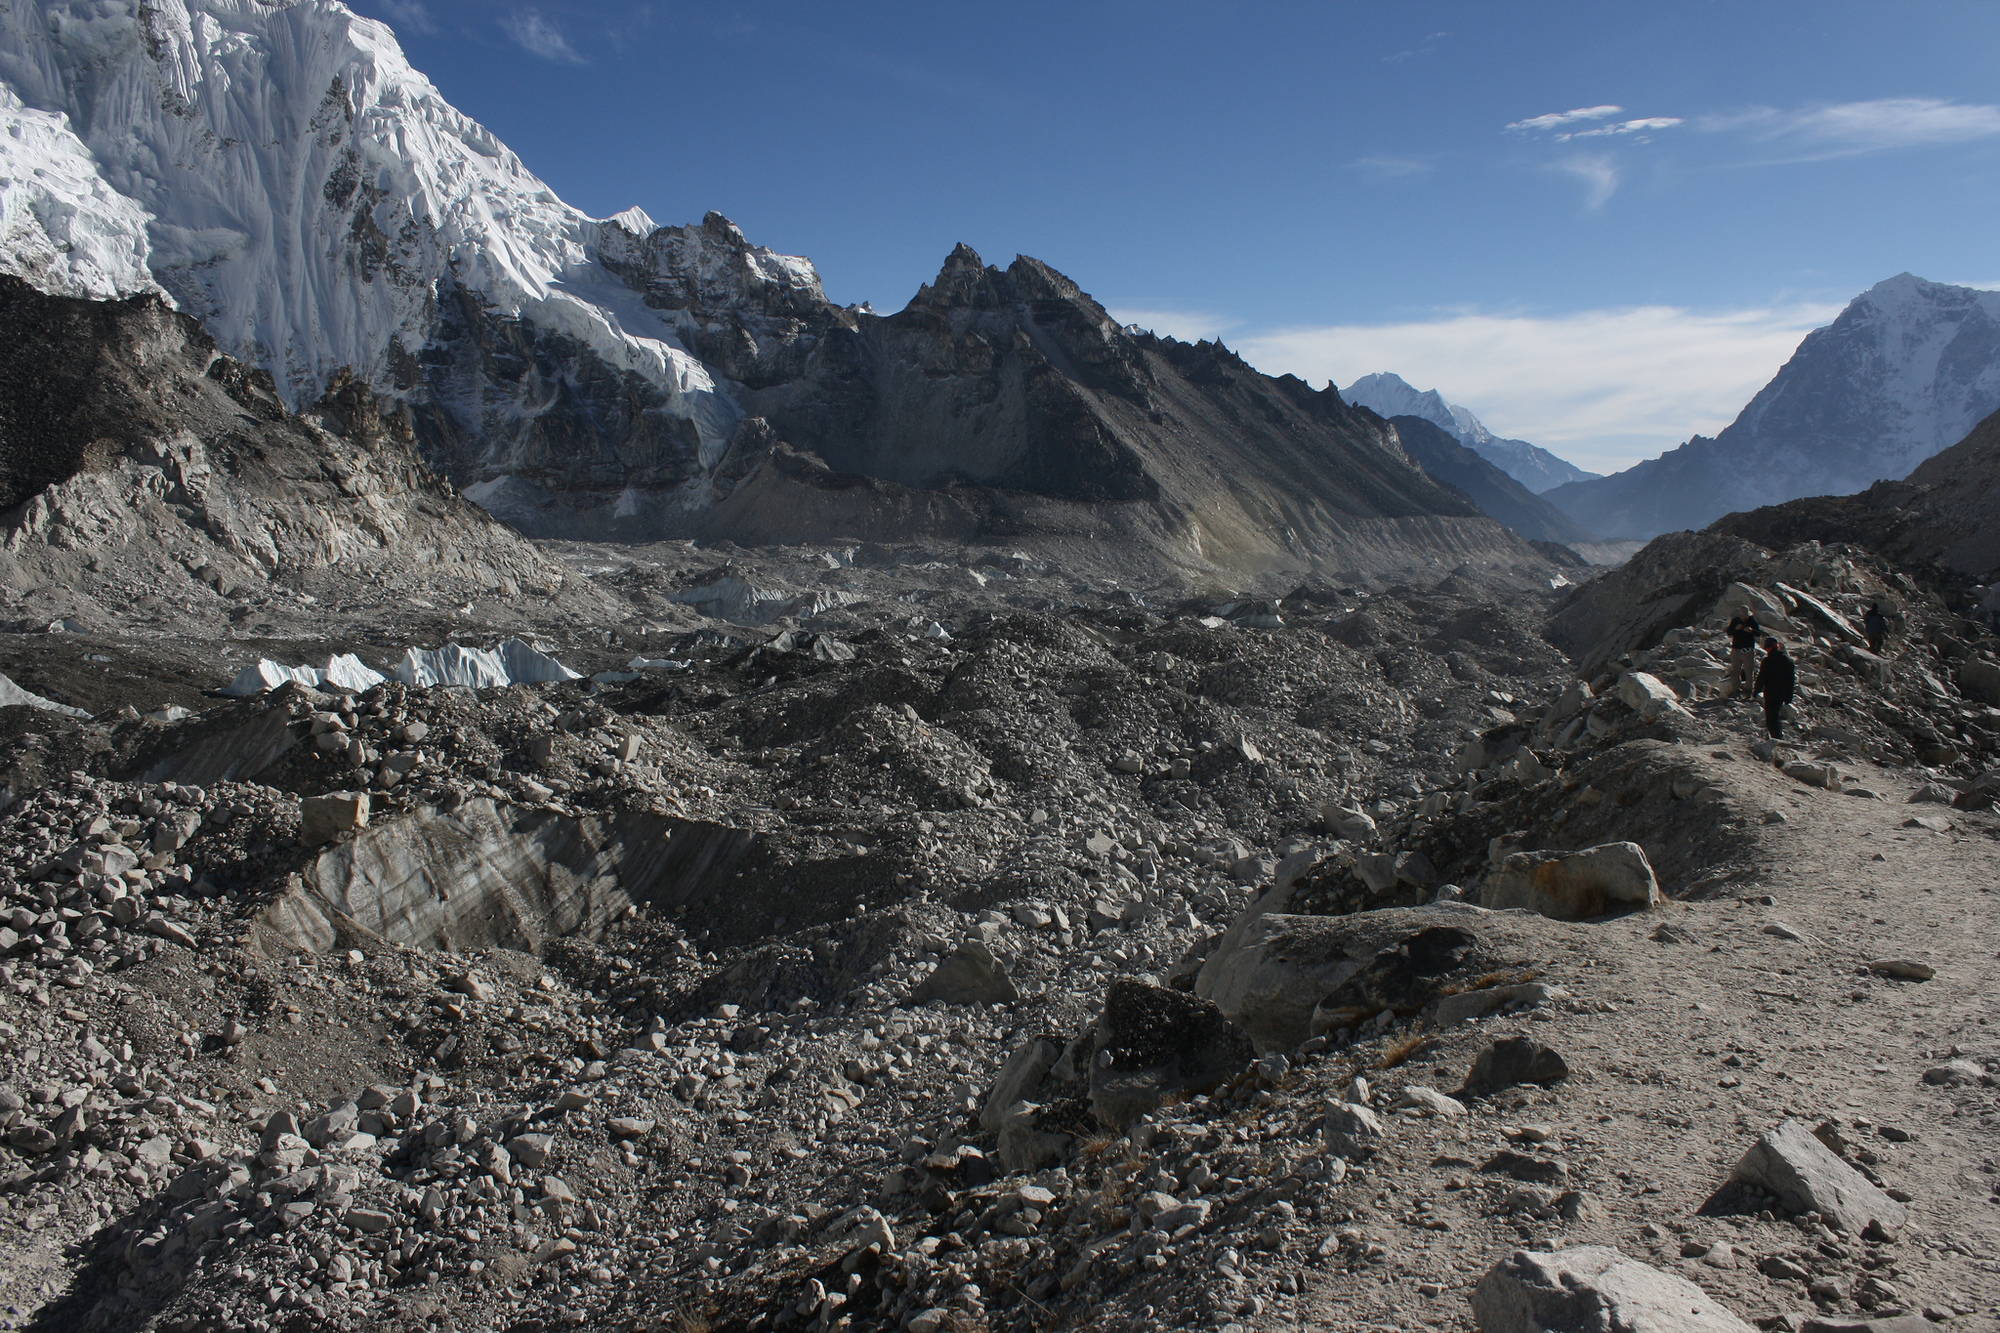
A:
(149, 480)
(1498, 495)
(1945, 513)
(998, 403)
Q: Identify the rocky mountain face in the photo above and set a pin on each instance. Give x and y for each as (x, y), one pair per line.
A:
(1532, 466)
(151, 483)
(1945, 513)
(1498, 495)
(284, 175)
(1905, 371)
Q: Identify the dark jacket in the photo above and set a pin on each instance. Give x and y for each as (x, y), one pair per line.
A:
(1875, 623)
(1743, 632)
(1777, 679)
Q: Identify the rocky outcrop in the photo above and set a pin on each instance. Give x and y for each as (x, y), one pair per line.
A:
(148, 478)
(1944, 513)
(1593, 1287)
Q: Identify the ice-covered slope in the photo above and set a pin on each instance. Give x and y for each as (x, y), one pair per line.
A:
(298, 187)
(1392, 396)
(1906, 370)
(61, 226)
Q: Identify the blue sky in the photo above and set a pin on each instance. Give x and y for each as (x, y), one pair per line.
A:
(1599, 226)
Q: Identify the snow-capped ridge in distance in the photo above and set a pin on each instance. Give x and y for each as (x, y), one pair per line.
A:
(1905, 371)
(1390, 395)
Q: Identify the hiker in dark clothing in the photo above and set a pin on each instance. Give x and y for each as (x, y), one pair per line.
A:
(1876, 626)
(1743, 631)
(1777, 681)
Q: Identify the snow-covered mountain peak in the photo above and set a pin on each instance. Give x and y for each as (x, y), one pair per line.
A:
(1391, 395)
(294, 183)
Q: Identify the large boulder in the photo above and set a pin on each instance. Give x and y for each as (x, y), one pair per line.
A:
(1804, 1173)
(1648, 695)
(971, 975)
(1593, 1289)
(1980, 679)
(1285, 978)
(1573, 886)
(1151, 1042)
(1019, 1079)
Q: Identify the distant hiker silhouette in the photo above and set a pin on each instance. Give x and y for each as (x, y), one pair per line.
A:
(1743, 632)
(1777, 682)
(1876, 626)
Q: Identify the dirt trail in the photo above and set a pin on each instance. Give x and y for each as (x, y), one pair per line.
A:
(1711, 1041)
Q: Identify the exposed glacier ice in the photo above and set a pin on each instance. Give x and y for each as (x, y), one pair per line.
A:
(514, 662)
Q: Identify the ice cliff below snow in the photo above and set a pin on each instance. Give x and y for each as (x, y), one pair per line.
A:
(290, 180)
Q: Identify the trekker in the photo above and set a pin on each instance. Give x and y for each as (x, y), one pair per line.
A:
(1743, 631)
(1876, 626)
(1777, 681)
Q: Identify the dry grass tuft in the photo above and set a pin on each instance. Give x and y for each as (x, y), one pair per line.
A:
(1405, 1046)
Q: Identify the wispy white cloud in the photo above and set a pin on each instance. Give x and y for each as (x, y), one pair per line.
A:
(1423, 48)
(1555, 120)
(1190, 326)
(1598, 173)
(1391, 167)
(1603, 388)
(1557, 124)
(1845, 128)
(1639, 126)
(409, 16)
(539, 36)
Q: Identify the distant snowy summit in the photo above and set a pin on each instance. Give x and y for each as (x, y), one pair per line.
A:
(1534, 467)
(1906, 370)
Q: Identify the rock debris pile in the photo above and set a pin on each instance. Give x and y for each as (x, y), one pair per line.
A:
(1147, 965)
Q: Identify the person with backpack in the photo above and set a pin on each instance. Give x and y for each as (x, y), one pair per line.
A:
(1777, 681)
(1743, 631)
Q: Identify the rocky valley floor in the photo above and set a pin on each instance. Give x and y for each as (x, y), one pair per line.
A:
(882, 938)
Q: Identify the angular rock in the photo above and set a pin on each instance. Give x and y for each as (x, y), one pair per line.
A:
(1478, 1003)
(1271, 978)
(1151, 1042)
(1352, 1130)
(971, 975)
(1908, 969)
(324, 818)
(1514, 1060)
(1814, 775)
(1806, 1176)
(1574, 886)
(1593, 1289)
(1954, 1074)
(1648, 695)
(1018, 1079)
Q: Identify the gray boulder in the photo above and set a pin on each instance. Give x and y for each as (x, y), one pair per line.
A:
(1806, 1176)
(1593, 1289)
(971, 975)
(1574, 886)
(1514, 1060)
(1019, 1078)
(1271, 978)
